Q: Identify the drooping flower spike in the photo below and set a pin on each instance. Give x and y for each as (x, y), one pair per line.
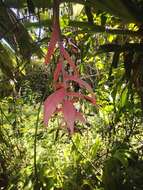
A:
(62, 100)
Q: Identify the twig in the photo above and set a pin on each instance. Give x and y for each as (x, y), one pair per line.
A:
(35, 142)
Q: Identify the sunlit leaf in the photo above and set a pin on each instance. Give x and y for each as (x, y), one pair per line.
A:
(124, 97)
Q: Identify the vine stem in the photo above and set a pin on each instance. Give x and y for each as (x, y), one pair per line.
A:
(35, 141)
(55, 24)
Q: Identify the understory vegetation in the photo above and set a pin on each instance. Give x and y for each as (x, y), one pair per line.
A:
(104, 149)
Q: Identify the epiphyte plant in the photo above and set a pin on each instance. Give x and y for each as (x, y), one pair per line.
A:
(63, 99)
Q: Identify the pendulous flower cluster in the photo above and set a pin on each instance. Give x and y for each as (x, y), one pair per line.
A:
(63, 99)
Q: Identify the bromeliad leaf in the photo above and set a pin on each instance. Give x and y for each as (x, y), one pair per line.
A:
(51, 103)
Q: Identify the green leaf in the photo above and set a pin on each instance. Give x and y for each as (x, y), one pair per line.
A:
(124, 97)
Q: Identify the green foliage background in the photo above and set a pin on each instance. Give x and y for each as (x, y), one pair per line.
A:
(107, 152)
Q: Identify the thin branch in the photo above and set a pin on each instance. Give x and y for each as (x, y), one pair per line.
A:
(35, 143)
(88, 28)
(35, 139)
(85, 27)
